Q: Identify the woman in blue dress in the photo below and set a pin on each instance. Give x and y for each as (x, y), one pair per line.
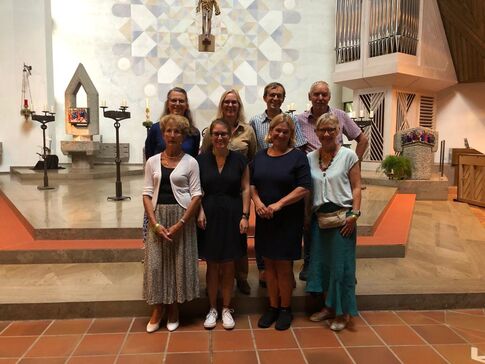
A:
(335, 174)
(280, 179)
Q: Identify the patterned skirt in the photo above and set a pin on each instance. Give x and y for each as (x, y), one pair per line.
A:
(171, 268)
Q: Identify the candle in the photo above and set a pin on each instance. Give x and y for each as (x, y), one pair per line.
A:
(51, 108)
(361, 113)
(371, 114)
(45, 108)
(103, 103)
(352, 114)
(293, 106)
(147, 105)
(288, 107)
(26, 104)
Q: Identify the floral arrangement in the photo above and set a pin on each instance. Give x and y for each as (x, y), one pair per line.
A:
(418, 136)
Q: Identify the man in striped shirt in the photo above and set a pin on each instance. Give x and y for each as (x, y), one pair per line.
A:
(274, 95)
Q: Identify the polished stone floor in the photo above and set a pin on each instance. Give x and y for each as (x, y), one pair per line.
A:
(384, 337)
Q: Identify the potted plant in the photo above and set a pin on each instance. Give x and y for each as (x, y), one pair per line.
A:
(396, 167)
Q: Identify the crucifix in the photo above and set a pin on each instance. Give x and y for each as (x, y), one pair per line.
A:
(206, 39)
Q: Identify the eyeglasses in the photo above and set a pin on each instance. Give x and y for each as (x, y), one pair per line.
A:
(230, 102)
(274, 95)
(177, 101)
(221, 134)
(326, 130)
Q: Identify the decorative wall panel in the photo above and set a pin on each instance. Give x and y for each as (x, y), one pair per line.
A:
(375, 101)
(404, 102)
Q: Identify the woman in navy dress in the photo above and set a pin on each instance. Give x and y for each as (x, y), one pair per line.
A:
(280, 179)
(223, 218)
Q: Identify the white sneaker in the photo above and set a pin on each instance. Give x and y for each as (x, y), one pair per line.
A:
(211, 319)
(227, 320)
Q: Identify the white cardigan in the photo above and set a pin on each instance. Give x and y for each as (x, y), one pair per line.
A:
(185, 180)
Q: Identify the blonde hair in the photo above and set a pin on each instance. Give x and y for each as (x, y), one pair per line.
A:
(181, 122)
(280, 119)
(328, 118)
(240, 113)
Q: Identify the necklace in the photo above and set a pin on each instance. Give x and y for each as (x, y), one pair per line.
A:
(164, 154)
(322, 166)
(170, 161)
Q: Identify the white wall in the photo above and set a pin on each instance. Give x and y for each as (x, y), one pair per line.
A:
(461, 114)
(22, 39)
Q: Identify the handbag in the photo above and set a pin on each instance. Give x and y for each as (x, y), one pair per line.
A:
(328, 220)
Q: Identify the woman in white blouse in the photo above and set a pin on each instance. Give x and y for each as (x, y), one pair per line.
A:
(171, 197)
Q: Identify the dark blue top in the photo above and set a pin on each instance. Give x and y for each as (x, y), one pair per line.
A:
(155, 144)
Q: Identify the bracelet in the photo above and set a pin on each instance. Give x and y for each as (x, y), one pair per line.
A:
(156, 226)
(182, 221)
(245, 215)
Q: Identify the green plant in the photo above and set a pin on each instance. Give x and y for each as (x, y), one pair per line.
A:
(396, 167)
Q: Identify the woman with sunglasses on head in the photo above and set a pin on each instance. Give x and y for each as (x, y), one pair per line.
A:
(243, 140)
(223, 218)
(334, 209)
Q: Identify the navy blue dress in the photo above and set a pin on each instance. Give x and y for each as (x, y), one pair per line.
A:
(222, 202)
(279, 238)
(155, 144)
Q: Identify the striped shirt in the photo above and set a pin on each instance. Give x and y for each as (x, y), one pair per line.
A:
(260, 124)
(307, 123)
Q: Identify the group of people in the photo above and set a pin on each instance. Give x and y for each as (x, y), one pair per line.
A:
(197, 205)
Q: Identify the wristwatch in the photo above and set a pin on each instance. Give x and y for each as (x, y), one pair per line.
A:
(355, 213)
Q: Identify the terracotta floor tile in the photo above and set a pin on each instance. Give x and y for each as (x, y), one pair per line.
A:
(191, 324)
(234, 357)
(398, 335)
(3, 325)
(140, 358)
(145, 343)
(54, 346)
(469, 311)
(232, 340)
(15, 347)
(327, 355)
(102, 344)
(21, 328)
(199, 358)
(381, 318)
(102, 359)
(359, 336)
(139, 324)
(51, 360)
(8, 361)
(188, 342)
(281, 357)
(65, 327)
(459, 354)
(381, 355)
(472, 336)
(316, 337)
(438, 334)
(110, 325)
(356, 321)
(466, 321)
(274, 339)
(417, 355)
(422, 317)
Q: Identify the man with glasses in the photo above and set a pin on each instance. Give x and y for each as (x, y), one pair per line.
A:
(273, 95)
(319, 95)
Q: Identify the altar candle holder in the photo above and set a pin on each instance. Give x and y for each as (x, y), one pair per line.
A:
(147, 123)
(43, 120)
(363, 122)
(117, 116)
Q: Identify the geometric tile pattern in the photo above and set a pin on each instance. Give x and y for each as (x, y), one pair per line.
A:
(404, 102)
(375, 101)
(161, 44)
(418, 337)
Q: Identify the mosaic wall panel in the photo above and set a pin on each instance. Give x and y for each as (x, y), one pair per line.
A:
(160, 43)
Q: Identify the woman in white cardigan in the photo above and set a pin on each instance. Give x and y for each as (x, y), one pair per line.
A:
(171, 197)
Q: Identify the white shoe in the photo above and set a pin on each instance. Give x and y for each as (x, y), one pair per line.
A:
(227, 320)
(152, 327)
(211, 319)
(172, 326)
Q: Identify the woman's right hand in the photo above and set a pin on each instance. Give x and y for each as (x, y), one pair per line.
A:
(201, 220)
(162, 232)
(263, 211)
